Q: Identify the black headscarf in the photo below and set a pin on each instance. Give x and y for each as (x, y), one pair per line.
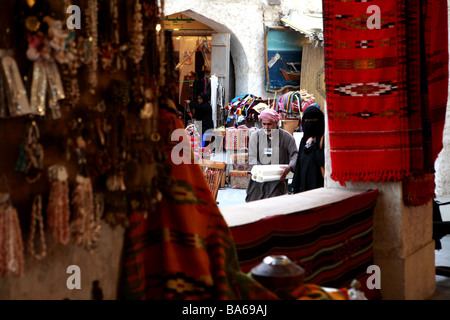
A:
(204, 97)
(314, 128)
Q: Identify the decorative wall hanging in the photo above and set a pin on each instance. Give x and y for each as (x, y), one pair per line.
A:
(58, 208)
(36, 218)
(386, 89)
(31, 154)
(283, 58)
(11, 246)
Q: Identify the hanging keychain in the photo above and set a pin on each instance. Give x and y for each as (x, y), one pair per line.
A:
(31, 154)
(11, 246)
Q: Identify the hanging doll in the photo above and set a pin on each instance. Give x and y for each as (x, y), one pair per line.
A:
(58, 208)
(11, 246)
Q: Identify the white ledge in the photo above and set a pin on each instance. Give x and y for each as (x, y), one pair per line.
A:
(253, 211)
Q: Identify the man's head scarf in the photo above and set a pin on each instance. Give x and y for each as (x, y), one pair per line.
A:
(270, 115)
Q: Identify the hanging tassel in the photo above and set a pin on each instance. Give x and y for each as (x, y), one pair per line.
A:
(84, 225)
(58, 210)
(11, 246)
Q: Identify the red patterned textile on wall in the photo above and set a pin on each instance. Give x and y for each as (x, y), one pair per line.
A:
(386, 89)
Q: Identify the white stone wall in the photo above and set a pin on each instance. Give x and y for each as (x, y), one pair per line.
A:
(245, 20)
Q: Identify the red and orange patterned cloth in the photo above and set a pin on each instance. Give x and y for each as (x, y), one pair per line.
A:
(184, 249)
(387, 85)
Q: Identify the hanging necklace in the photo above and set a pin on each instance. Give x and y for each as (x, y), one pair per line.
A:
(92, 41)
(137, 38)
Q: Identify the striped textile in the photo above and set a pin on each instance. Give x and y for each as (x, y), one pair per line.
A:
(184, 248)
(332, 243)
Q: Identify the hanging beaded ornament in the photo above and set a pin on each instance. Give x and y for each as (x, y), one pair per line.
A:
(31, 154)
(11, 246)
(108, 34)
(137, 48)
(58, 208)
(90, 44)
(85, 226)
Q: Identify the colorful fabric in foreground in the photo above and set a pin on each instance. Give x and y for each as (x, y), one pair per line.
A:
(386, 87)
(315, 292)
(332, 243)
(184, 250)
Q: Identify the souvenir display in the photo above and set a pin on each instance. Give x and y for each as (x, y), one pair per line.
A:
(239, 179)
(236, 138)
(11, 246)
(36, 218)
(58, 208)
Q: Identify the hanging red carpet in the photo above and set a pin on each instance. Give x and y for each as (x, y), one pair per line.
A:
(387, 84)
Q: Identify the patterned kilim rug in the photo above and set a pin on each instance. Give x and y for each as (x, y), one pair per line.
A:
(387, 85)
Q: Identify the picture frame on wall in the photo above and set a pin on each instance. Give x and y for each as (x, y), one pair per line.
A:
(283, 57)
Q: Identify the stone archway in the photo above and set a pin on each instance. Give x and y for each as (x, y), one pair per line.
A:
(240, 64)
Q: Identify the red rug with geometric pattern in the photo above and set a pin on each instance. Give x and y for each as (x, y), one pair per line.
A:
(387, 84)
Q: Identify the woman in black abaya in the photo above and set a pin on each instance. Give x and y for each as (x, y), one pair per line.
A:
(203, 111)
(309, 169)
